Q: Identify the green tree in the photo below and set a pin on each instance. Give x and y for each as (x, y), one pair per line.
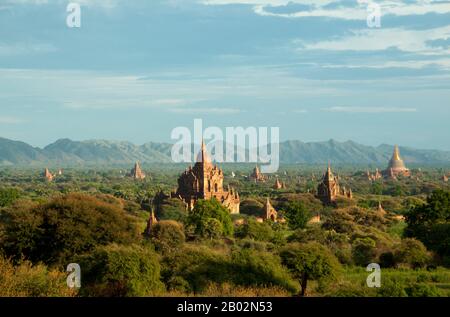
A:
(297, 215)
(8, 196)
(310, 261)
(363, 251)
(167, 235)
(120, 271)
(53, 232)
(412, 252)
(430, 223)
(213, 228)
(27, 280)
(259, 268)
(255, 230)
(204, 210)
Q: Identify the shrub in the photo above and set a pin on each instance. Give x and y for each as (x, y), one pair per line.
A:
(261, 269)
(297, 215)
(167, 235)
(387, 260)
(363, 251)
(413, 253)
(193, 267)
(8, 196)
(430, 222)
(26, 280)
(119, 271)
(255, 230)
(200, 223)
(53, 232)
(423, 290)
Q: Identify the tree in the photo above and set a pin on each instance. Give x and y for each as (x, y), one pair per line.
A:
(204, 210)
(430, 223)
(363, 251)
(27, 280)
(412, 252)
(297, 215)
(167, 235)
(54, 231)
(213, 228)
(8, 196)
(259, 268)
(119, 271)
(310, 261)
(255, 230)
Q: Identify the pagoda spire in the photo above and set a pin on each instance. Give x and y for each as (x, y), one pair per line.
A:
(396, 156)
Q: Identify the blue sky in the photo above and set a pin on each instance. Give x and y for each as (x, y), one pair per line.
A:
(137, 69)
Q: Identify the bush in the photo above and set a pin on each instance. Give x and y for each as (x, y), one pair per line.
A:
(8, 196)
(297, 215)
(199, 219)
(251, 207)
(430, 223)
(423, 290)
(171, 209)
(255, 230)
(26, 280)
(387, 260)
(261, 269)
(413, 253)
(392, 287)
(167, 235)
(192, 268)
(119, 271)
(53, 232)
(363, 251)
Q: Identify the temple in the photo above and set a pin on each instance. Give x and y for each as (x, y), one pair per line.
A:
(257, 176)
(48, 176)
(374, 177)
(396, 166)
(279, 185)
(268, 213)
(329, 189)
(205, 181)
(137, 173)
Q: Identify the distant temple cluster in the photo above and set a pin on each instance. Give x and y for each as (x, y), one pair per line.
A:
(205, 181)
(49, 177)
(376, 176)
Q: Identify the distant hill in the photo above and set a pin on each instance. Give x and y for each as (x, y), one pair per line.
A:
(66, 152)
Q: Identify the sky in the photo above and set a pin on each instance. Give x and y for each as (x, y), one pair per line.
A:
(135, 70)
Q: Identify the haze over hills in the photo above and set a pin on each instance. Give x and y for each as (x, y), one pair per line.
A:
(65, 152)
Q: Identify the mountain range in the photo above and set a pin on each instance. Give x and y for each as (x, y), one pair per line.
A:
(66, 152)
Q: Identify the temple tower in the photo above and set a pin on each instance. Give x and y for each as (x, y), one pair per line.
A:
(396, 166)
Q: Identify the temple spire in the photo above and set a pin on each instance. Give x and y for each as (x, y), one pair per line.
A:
(396, 156)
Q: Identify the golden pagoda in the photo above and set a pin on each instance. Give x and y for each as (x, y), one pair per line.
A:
(397, 166)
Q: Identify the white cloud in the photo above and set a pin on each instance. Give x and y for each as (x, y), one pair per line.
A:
(9, 49)
(11, 120)
(356, 12)
(205, 110)
(370, 109)
(382, 39)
